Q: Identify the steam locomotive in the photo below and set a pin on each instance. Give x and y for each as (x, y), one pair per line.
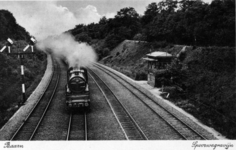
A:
(77, 88)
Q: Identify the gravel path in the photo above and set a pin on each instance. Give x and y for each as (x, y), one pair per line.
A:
(16, 120)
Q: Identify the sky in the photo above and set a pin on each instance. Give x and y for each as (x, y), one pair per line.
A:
(45, 18)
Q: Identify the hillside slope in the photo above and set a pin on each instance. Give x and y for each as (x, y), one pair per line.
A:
(10, 76)
(207, 73)
(127, 57)
(9, 27)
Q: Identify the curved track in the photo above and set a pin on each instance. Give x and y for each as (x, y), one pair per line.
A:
(31, 124)
(131, 129)
(183, 129)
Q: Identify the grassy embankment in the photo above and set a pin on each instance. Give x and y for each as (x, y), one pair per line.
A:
(206, 76)
(10, 78)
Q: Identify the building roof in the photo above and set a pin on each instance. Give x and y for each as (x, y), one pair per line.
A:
(159, 54)
(149, 59)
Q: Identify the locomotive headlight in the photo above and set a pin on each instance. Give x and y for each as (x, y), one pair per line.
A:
(86, 104)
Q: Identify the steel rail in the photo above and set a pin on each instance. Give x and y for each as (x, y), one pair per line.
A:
(115, 112)
(69, 130)
(37, 104)
(85, 127)
(173, 115)
(46, 109)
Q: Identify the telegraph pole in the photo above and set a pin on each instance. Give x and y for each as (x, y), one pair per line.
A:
(21, 56)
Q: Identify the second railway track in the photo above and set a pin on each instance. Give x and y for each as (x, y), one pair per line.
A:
(129, 126)
(182, 128)
(29, 127)
(77, 129)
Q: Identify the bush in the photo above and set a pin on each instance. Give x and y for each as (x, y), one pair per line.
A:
(159, 44)
(83, 37)
(141, 75)
(11, 78)
(105, 52)
(113, 40)
(162, 77)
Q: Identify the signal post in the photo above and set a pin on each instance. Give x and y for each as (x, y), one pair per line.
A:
(21, 56)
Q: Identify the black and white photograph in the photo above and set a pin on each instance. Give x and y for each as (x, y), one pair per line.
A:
(117, 74)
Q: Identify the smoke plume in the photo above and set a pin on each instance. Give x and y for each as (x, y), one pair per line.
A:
(65, 47)
(46, 19)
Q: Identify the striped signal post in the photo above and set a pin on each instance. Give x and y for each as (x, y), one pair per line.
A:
(21, 56)
(22, 78)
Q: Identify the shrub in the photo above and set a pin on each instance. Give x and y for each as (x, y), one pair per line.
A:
(141, 75)
(159, 44)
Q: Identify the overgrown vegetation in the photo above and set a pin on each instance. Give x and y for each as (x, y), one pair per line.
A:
(10, 29)
(185, 22)
(206, 82)
(10, 76)
(203, 75)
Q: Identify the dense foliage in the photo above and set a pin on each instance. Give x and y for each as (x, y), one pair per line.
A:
(9, 27)
(208, 78)
(10, 76)
(184, 22)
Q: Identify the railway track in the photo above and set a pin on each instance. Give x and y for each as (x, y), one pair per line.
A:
(77, 128)
(130, 128)
(184, 130)
(29, 127)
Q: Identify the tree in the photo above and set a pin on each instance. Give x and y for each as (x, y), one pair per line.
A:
(106, 52)
(128, 18)
(150, 13)
(139, 37)
(9, 27)
(167, 6)
(83, 37)
(112, 40)
(128, 12)
(103, 27)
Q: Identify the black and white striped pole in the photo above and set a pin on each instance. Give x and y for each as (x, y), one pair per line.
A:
(21, 56)
(22, 79)
(32, 42)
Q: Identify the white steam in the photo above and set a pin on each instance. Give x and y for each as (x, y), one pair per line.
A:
(45, 18)
(64, 46)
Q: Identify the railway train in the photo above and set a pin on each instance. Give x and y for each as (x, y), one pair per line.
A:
(77, 88)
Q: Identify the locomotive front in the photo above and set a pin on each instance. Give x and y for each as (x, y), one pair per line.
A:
(77, 90)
